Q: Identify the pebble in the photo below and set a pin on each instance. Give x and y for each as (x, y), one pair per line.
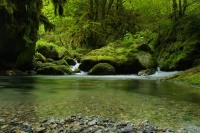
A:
(4, 126)
(77, 124)
(40, 129)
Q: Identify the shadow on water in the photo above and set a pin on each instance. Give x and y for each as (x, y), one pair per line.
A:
(164, 89)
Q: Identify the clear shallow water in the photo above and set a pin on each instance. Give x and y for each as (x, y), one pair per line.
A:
(163, 103)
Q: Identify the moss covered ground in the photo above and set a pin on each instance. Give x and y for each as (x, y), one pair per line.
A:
(189, 77)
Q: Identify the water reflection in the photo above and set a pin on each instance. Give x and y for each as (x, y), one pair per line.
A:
(165, 104)
(17, 103)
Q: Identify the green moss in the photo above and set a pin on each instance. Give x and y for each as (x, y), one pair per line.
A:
(39, 57)
(125, 58)
(25, 57)
(146, 60)
(54, 70)
(190, 76)
(51, 50)
(102, 69)
(61, 62)
(18, 35)
(70, 61)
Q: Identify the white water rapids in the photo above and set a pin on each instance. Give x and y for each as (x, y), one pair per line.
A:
(157, 74)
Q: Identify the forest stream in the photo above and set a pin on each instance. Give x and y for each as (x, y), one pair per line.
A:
(36, 98)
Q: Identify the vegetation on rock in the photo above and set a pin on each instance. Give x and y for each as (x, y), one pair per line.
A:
(52, 69)
(102, 69)
(126, 56)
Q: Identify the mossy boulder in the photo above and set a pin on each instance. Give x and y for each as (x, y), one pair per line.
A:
(53, 69)
(125, 58)
(102, 69)
(51, 50)
(70, 61)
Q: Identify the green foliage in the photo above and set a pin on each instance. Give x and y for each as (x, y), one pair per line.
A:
(9, 7)
(141, 37)
(76, 30)
(48, 26)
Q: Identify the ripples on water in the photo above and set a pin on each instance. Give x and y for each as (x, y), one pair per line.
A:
(164, 103)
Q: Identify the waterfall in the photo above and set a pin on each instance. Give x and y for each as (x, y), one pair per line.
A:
(75, 67)
(158, 69)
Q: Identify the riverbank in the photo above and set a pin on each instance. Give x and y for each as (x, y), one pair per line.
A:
(77, 124)
(189, 77)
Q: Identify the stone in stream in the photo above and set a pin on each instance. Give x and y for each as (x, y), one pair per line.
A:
(39, 129)
(4, 126)
(2, 120)
(91, 123)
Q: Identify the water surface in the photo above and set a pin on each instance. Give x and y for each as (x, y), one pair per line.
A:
(165, 104)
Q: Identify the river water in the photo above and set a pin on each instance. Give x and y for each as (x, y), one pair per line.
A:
(132, 98)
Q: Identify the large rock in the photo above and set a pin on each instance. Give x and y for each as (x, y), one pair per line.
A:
(126, 59)
(102, 69)
(49, 51)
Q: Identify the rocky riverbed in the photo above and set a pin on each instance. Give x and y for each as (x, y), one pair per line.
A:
(81, 124)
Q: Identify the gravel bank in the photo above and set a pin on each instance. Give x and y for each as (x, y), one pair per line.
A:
(81, 124)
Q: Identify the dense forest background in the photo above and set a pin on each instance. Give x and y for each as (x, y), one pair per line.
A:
(95, 23)
(140, 33)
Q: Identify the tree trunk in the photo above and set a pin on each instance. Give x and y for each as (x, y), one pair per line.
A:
(174, 6)
(103, 9)
(96, 3)
(109, 6)
(185, 4)
(91, 10)
(19, 33)
(119, 5)
(180, 9)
